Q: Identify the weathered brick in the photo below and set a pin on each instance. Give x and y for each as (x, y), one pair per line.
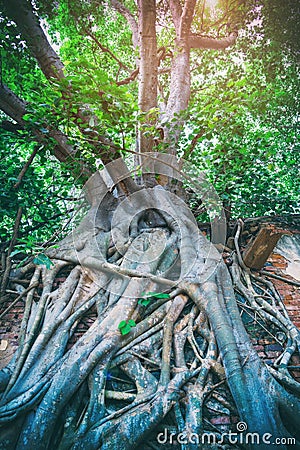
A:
(288, 297)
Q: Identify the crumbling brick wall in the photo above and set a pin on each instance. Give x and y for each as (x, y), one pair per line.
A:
(290, 293)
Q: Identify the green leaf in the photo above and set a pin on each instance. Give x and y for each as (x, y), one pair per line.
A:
(125, 330)
(27, 116)
(156, 295)
(43, 260)
(161, 295)
(122, 324)
(149, 296)
(144, 301)
(125, 326)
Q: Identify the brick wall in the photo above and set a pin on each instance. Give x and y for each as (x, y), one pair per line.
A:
(289, 293)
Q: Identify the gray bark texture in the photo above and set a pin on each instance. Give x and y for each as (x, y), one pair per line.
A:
(141, 260)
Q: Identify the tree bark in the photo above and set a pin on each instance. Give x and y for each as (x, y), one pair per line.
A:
(197, 41)
(180, 83)
(130, 19)
(147, 74)
(21, 12)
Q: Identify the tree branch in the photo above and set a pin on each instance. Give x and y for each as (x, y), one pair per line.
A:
(176, 11)
(129, 79)
(9, 126)
(12, 105)
(25, 167)
(196, 41)
(21, 12)
(121, 9)
(186, 18)
(15, 108)
(105, 49)
(193, 143)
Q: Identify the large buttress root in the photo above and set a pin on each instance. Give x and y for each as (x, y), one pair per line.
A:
(188, 353)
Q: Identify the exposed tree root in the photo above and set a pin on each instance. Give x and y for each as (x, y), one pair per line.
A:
(189, 353)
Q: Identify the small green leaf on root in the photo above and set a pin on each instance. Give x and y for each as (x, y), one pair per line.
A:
(122, 324)
(131, 323)
(125, 326)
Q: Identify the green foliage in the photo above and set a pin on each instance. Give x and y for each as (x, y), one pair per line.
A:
(147, 297)
(242, 125)
(244, 128)
(89, 36)
(43, 192)
(144, 301)
(282, 19)
(125, 326)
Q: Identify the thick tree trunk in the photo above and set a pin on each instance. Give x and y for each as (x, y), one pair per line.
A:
(188, 341)
(21, 12)
(180, 84)
(147, 74)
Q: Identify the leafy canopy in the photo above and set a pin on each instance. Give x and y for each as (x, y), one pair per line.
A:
(242, 125)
